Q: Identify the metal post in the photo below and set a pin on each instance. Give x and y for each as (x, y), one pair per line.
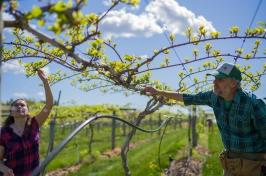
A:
(128, 117)
(159, 123)
(52, 127)
(189, 132)
(113, 131)
(52, 132)
(150, 123)
(193, 127)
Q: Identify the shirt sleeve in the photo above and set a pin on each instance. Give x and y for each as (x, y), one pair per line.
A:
(34, 124)
(202, 98)
(259, 117)
(2, 142)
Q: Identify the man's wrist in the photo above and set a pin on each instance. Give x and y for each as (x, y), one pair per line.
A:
(159, 92)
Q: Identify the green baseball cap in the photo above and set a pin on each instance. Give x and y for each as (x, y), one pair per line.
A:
(227, 70)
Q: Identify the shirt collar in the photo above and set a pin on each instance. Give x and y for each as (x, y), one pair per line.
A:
(237, 96)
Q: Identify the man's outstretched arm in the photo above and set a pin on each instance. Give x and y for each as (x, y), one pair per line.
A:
(168, 94)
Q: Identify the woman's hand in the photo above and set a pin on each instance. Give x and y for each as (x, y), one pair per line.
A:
(42, 75)
(8, 172)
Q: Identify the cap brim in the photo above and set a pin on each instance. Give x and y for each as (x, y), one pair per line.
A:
(217, 74)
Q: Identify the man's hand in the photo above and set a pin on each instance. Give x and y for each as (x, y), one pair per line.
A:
(165, 94)
(150, 90)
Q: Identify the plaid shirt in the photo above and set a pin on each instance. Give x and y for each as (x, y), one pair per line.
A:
(21, 153)
(243, 126)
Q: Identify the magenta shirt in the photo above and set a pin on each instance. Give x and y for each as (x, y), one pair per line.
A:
(21, 152)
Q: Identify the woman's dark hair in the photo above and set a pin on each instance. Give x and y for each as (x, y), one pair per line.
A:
(10, 118)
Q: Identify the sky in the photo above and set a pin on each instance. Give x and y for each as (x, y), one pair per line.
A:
(139, 30)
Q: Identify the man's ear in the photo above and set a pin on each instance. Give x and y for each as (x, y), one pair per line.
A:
(234, 83)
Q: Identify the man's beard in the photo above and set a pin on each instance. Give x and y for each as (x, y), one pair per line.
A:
(217, 92)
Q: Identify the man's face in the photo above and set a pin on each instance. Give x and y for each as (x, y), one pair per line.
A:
(224, 86)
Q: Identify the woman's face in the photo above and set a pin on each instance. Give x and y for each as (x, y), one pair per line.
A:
(19, 109)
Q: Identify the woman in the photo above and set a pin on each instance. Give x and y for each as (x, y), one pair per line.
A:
(19, 136)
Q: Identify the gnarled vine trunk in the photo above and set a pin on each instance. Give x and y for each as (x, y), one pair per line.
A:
(151, 107)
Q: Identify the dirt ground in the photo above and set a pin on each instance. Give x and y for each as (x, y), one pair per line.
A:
(188, 166)
(108, 154)
(184, 167)
(64, 171)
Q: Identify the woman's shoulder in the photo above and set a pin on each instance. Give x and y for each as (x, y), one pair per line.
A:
(3, 129)
(32, 123)
(5, 134)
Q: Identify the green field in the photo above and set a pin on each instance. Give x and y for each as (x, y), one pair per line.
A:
(142, 158)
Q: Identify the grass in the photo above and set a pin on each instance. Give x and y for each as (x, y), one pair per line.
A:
(77, 150)
(143, 160)
(212, 165)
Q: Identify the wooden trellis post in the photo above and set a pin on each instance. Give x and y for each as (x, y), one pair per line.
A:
(193, 127)
(124, 127)
(113, 131)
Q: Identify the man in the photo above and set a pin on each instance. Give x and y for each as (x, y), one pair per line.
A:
(241, 119)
